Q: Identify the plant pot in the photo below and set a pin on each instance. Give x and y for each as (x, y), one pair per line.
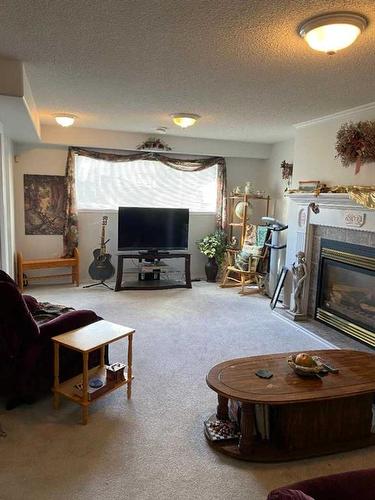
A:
(211, 269)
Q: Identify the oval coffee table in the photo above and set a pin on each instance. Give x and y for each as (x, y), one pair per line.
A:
(303, 417)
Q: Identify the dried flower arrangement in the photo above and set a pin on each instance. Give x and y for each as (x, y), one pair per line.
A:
(355, 143)
(286, 173)
(153, 143)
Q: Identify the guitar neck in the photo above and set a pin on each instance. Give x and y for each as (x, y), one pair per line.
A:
(102, 240)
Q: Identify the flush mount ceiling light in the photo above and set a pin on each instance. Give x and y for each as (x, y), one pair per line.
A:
(65, 120)
(332, 32)
(185, 120)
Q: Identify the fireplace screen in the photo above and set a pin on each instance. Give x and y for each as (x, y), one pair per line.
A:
(346, 289)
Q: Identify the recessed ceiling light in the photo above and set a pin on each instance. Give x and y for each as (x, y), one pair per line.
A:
(332, 32)
(185, 120)
(65, 120)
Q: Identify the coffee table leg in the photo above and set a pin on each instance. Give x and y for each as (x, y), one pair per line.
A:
(85, 407)
(247, 428)
(56, 395)
(130, 361)
(222, 408)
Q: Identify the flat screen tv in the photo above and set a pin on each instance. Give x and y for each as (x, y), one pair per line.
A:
(153, 228)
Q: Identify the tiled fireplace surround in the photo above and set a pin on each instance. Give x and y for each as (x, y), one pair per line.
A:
(306, 229)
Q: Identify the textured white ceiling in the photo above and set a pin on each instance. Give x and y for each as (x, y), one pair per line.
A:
(128, 64)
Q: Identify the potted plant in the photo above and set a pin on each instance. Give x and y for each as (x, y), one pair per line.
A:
(213, 245)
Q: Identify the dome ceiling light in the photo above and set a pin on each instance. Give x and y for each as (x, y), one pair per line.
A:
(65, 120)
(332, 32)
(185, 120)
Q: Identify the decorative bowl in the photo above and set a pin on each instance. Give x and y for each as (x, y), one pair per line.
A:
(306, 371)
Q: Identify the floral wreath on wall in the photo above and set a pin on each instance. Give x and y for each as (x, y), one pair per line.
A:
(355, 143)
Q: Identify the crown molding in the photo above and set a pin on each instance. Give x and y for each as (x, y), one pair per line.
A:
(340, 114)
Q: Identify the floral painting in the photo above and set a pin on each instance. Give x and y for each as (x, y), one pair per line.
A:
(44, 204)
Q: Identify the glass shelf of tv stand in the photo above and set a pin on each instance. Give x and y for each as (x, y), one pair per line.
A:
(165, 272)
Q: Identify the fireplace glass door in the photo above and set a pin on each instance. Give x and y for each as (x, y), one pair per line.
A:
(346, 290)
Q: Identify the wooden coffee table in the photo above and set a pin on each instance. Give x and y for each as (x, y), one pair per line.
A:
(85, 340)
(305, 416)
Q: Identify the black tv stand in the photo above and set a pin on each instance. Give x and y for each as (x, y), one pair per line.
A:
(154, 283)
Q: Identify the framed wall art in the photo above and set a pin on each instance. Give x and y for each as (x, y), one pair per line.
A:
(44, 197)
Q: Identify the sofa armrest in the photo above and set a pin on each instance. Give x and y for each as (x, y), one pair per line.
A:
(343, 486)
(31, 302)
(67, 322)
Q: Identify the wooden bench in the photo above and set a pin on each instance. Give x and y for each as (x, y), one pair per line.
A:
(24, 265)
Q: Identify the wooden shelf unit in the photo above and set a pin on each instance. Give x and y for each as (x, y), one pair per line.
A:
(234, 221)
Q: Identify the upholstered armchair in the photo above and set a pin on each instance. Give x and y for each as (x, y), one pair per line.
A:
(26, 350)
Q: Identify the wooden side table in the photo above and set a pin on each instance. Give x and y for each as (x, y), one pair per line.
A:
(85, 340)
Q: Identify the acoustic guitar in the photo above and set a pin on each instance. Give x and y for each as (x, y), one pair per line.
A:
(101, 268)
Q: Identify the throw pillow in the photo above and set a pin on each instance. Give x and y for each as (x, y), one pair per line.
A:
(242, 257)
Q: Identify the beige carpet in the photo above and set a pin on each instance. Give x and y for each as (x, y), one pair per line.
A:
(153, 447)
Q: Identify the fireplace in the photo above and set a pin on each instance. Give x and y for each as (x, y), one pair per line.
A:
(346, 289)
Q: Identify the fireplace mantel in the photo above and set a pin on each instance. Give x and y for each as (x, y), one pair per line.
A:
(306, 210)
(329, 199)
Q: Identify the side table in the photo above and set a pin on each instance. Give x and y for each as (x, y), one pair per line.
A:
(84, 340)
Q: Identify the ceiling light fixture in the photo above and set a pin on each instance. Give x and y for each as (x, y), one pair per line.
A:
(185, 120)
(65, 120)
(332, 32)
(161, 130)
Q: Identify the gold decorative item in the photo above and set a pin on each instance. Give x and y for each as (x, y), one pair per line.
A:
(363, 195)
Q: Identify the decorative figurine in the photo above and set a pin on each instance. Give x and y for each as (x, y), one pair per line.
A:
(299, 272)
(249, 188)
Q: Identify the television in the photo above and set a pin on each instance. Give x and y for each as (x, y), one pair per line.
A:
(153, 228)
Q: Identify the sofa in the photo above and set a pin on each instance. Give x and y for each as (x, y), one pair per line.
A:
(26, 349)
(344, 486)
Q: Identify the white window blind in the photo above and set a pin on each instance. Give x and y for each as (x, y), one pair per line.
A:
(103, 185)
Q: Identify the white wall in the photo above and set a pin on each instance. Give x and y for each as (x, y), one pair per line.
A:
(7, 230)
(50, 160)
(315, 152)
(280, 151)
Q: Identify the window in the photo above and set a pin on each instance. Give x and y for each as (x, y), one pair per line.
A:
(103, 185)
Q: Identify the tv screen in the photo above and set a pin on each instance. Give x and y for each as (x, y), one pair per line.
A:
(153, 228)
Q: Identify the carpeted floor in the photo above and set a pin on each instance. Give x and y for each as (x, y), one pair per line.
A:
(153, 447)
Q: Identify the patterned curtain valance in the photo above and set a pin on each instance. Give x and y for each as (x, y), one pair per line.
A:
(186, 165)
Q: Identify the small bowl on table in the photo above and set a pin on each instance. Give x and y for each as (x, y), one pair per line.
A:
(315, 370)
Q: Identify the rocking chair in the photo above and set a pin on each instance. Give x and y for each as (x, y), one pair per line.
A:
(244, 267)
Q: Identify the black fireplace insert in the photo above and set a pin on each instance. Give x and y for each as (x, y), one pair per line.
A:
(346, 289)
